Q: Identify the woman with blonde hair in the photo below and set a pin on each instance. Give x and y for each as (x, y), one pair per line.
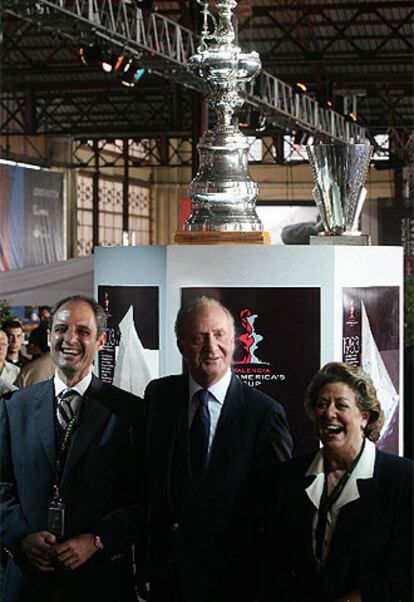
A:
(343, 525)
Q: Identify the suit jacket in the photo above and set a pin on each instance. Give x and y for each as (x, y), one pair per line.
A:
(371, 548)
(99, 487)
(204, 537)
(10, 372)
(42, 368)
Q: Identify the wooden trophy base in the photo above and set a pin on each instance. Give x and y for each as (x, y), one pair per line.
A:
(207, 237)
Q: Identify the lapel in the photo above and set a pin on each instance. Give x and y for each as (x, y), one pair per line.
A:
(178, 468)
(95, 415)
(304, 517)
(44, 412)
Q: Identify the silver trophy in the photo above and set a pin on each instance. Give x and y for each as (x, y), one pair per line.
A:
(223, 194)
(339, 172)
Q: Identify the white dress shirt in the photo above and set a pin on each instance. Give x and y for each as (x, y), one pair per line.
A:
(363, 470)
(10, 372)
(80, 387)
(217, 395)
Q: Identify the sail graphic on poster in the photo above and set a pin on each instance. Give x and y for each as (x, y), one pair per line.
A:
(373, 364)
(371, 339)
(131, 371)
(130, 357)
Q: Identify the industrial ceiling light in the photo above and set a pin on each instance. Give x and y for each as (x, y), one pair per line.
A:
(252, 119)
(244, 119)
(90, 55)
(107, 66)
(301, 87)
(127, 68)
(130, 72)
(122, 63)
(261, 122)
(114, 63)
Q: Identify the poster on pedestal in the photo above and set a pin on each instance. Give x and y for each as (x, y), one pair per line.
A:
(371, 340)
(130, 357)
(277, 345)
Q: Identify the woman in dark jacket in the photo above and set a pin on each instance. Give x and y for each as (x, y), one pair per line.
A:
(343, 526)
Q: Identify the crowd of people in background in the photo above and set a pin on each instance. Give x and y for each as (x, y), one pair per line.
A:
(20, 364)
(190, 494)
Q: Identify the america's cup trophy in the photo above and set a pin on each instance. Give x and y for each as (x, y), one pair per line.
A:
(339, 172)
(223, 194)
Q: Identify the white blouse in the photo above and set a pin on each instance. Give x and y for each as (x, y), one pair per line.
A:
(363, 470)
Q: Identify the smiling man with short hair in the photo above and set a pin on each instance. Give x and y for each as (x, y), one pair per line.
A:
(69, 480)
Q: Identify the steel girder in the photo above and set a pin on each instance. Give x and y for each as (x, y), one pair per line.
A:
(342, 48)
(165, 48)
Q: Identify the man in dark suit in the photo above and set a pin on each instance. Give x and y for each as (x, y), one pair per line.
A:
(210, 457)
(68, 492)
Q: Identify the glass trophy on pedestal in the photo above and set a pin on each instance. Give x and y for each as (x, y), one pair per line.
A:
(339, 172)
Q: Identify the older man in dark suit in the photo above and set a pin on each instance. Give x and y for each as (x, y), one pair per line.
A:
(68, 492)
(212, 444)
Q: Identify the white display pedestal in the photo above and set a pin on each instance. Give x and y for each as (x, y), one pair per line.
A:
(333, 271)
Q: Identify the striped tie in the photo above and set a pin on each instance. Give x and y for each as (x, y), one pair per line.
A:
(68, 406)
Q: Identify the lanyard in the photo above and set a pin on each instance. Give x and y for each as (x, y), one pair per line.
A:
(326, 503)
(61, 455)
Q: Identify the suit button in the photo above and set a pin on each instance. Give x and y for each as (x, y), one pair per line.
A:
(175, 527)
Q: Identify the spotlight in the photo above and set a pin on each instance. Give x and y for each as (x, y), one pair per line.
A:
(90, 55)
(352, 117)
(261, 122)
(302, 88)
(121, 63)
(252, 119)
(131, 80)
(107, 66)
(112, 63)
(129, 70)
(244, 119)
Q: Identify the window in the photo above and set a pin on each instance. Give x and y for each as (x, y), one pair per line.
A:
(110, 213)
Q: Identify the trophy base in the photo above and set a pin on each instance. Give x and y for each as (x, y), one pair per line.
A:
(361, 240)
(208, 237)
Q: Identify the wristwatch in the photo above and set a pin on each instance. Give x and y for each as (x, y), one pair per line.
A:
(97, 542)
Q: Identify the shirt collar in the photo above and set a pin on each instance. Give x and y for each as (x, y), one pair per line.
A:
(363, 470)
(218, 390)
(80, 387)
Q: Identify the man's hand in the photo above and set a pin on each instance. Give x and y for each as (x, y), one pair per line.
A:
(39, 548)
(75, 551)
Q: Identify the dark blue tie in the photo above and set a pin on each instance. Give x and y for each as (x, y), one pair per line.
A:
(199, 435)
